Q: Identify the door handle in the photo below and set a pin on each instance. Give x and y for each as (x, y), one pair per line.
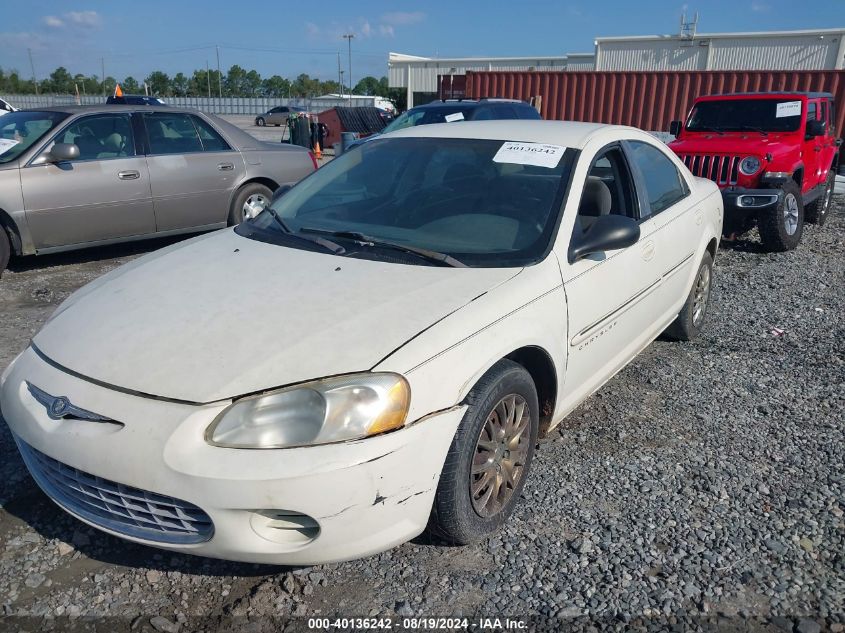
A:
(225, 166)
(129, 175)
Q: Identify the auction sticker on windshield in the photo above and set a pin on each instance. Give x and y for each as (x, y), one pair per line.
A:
(455, 116)
(537, 154)
(6, 144)
(788, 108)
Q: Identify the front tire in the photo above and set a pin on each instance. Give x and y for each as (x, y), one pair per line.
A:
(248, 202)
(5, 249)
(781, 227)
(817, 211)
(490, 455)
(260, 122)
(690, 319)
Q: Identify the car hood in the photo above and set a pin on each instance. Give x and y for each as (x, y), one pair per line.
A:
(223, 315)
(737, 144)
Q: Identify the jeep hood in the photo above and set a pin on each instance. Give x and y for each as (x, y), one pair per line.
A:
(743, 144)
(222, 315)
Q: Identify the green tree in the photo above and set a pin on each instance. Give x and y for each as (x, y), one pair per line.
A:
(59, 82)
(130, 85)
(108, 85)
(275, 86)
(159, 83)
(367, 86)
(305, 86)
(179, 85)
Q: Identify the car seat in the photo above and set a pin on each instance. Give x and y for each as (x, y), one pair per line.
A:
(596, 201)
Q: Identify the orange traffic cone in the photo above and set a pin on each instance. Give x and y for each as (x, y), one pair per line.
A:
(318, 153)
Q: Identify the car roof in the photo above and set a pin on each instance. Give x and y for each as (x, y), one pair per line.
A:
(773, 93)
(108, 107)
(472, 103)
(567, 133)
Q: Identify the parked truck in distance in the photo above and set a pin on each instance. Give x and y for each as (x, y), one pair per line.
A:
(774, 155)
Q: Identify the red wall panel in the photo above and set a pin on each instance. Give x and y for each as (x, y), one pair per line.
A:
(647, 100)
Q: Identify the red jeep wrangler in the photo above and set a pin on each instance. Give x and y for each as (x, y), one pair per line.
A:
(774, 155)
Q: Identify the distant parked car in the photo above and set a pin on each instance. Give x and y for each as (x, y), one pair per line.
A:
(277, 116)
(5, 107)
(82, 176)
(454, 110)
(136, 100)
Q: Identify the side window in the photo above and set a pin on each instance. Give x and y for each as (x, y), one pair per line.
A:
(506, 112)
(211, 140)
(811, 110)
(608, 190)
(171, 133)
(823, 117)
(101, 136)
(483, 113)
(664, 184)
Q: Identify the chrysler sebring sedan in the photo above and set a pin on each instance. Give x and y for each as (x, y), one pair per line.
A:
(421, 309)
(85, 176)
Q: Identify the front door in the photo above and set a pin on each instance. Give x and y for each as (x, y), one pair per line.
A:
(193, 171)
(102, 195)
(612, 297)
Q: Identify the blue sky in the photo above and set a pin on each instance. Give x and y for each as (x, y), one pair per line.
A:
(288, 38)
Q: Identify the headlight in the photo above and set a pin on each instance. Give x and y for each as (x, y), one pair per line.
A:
(330, 410)
(750, 165)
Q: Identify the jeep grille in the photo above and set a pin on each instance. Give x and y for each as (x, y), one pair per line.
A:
(719, 168)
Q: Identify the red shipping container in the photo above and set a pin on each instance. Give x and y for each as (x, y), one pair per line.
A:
(647, 100)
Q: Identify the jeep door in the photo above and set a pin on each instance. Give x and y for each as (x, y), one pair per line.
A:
(102, 195)
(813, 149)
(193, 171)
(613, 298)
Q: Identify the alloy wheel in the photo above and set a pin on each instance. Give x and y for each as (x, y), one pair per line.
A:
(702, 295)
(254, 205)
(790, 214)
(500, 455)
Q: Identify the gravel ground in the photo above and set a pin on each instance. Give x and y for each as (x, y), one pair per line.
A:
(703, 487)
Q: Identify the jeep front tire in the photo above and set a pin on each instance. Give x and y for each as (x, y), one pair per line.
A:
(782, 225)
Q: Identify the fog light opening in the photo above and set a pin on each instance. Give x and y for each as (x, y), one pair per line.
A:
(755, 201)
(285, 527)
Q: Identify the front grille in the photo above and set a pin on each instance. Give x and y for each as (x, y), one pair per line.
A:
(117, 507)
(721, 169)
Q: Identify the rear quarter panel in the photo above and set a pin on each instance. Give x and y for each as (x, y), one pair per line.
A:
(284, 166)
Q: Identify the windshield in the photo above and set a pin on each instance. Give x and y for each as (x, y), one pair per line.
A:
(735, 115)
(20, 130)
(451, 196)
(424, 116)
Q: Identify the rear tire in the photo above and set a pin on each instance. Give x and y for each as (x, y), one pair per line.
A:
(690, 320)
(5, 249)
(781, 227)
(260, 122)
(817, 211)
(251, 192)
(490, 455)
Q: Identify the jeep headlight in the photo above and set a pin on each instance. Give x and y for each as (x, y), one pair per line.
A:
(330, 410)
(750, 165)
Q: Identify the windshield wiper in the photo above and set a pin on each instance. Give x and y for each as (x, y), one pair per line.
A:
(754, 129)
(707, 128)
(368, 240)
(333, 247)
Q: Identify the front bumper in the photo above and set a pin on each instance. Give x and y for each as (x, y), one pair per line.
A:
(741, 202)
(362, 497)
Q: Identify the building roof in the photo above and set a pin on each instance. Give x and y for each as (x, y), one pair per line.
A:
(403, 58)
(713, 36)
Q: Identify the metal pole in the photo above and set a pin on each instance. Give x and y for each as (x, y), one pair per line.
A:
(208, 78)
(219, 77)
(32, 66)
(348, 37)
(103, 67)
(339, 75)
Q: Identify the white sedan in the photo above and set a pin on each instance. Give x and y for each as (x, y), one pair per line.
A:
(420, 310)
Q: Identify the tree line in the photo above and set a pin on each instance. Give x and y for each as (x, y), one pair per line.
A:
(236, 82)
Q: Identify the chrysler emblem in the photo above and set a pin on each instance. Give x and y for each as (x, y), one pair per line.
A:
(60, 407)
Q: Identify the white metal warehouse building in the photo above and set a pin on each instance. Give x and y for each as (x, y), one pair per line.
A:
(822, 49)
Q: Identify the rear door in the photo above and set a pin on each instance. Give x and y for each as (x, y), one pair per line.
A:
(193, 171)
(812, 150)
(102, 195)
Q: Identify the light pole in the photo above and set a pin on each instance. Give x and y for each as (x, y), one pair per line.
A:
(348, 37)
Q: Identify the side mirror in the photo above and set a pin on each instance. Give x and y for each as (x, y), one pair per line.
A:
(278, 193)
(607, 233)
(815, 128)
(675, 128)
(62, 152)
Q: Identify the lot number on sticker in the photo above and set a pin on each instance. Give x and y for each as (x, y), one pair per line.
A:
(6, 144)
(537, 154)
(455, 116)
(788, 108)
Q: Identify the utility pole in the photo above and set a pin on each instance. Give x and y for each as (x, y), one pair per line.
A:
(219, 76)
(103, 68)
(348, 37)
(208, 78)
(32, 66)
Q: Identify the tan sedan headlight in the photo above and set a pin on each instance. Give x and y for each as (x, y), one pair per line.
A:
(330, 410)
